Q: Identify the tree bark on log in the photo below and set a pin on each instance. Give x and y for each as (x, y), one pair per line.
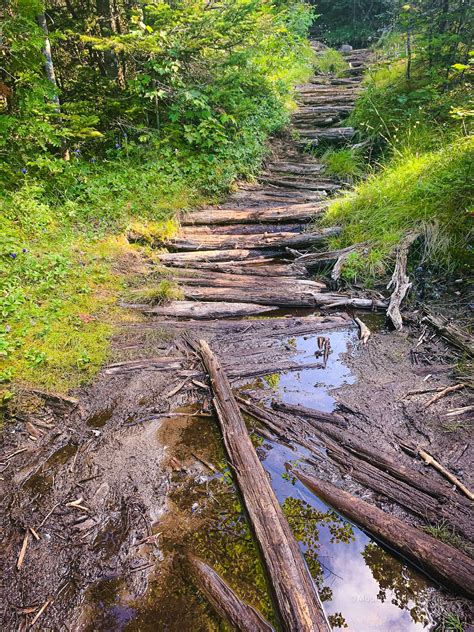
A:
(296, 597)
(239, 615)
(318, 259)
(435, 558)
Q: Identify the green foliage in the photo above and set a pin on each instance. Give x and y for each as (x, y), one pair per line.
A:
(354, 22)
(159, 107)
(450, 623)
(445, 532)
(345, 163)
(430, 192)
(330, 62)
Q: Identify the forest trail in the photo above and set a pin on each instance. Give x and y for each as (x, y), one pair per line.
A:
(242, 258)
(118, 482)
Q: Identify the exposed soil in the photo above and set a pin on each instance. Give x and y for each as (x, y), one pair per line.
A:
(119, 485)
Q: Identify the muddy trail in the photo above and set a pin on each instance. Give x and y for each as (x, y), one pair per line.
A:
(106, 493)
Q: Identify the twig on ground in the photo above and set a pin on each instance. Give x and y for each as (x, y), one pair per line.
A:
(446, 391)
(429, 460)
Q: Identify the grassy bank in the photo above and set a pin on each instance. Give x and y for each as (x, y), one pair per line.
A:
(418, 173)
(65, 259)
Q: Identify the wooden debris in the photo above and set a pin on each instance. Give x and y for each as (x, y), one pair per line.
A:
(312, 413)
(40, 612)
(445, 391)
(215, 217)
(205, 310)
(296, 597)
(21, 557)
(433, 557)
(364, 331)
(34, 533)
(429, 460)
(400, 281)
(239, 615)
(456, 412)
(458, 337)
(76, 504)
(318, 259)
(16, 453)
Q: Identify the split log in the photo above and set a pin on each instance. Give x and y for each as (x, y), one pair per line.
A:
(331, 134)
(295, 593)
(237, 613)
(195, 309)
(294, 213)
(458, 337)
(225, 242)
(242, 229)
(255, 267)
(433, 557)
(400, 281)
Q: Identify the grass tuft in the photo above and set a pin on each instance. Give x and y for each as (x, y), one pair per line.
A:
(445, 533)
(331, 62)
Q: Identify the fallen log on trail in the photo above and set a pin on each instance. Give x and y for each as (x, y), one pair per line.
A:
(208, 256)
(242, 229)
(311, 185)
(303, 297)
(225, 242)
(400, 281)
(331, 134)
(296, 597)
(318, 259)
(255, 267)
(196, 277)
(433, 557)
(458, 337)
(312, 413)
(237, 613)
(196, 309)
(213, 217)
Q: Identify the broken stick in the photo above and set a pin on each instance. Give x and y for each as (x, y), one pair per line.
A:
(364, 331)
(445, 391)
(429, 460)
(240, 615)
(435, 558)
(297, 600)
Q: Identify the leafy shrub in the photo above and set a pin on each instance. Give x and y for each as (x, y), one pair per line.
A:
(330, 62)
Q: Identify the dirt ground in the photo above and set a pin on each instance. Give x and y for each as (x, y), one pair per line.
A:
(99, 484)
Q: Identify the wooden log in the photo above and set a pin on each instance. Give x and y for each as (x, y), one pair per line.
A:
(243, 268)
(459, 338)
(314, 185)
(197, 277)
(331, 134)
(312, 413)
(304, 297)
(238, 614)
(242, 229)
(433, 557)
(294, 213)
(206, 256)
(400, 281)
(296, 597)
(200, 310)
(247, 242)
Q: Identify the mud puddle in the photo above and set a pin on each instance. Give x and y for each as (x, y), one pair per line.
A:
(363, 586)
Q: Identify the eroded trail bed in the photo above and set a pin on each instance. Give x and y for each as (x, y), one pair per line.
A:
(105, 495)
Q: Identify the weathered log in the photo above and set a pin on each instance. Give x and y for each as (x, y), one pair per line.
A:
(197, 277)
(239, 242)
(312, 413)
(332, 134)
(400, 281)
(459, 338)
(242, 229)
(196, 309)
(303, 297)
(254, 267)
(206, 256)
(294, 213)
(433, 557)
(299, 168)
(295, 593)
(239, 615)
(300, 183)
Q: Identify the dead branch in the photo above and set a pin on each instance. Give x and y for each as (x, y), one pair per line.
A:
(400, 281)
(446, 391)
(429, 460)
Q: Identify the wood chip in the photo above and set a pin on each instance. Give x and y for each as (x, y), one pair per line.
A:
(21, 557)
(40, 611)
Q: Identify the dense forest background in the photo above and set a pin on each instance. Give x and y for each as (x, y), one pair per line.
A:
(115, 114)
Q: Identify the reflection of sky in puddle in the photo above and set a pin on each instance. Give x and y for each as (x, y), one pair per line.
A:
(310, 386)
(357, 595)
(355, 590)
